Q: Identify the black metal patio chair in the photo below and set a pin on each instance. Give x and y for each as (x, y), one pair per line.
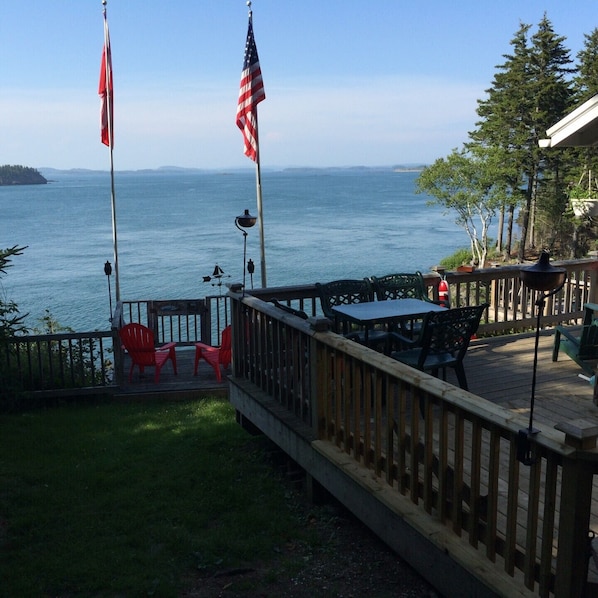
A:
(443, 341)
(344, 292)
(402, 285)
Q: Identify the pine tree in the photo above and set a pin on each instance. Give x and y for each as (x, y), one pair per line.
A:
(585, 83)
(529, 94)
(551, 73)
(504, 120)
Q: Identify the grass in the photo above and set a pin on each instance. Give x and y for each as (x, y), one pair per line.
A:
(113, 500)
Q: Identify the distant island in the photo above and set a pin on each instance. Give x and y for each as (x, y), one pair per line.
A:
(414, 167)
(20, 175)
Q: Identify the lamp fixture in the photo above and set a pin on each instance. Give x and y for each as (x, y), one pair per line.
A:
(251, 270)
(108, 273)
(547, 279)
(245, 220)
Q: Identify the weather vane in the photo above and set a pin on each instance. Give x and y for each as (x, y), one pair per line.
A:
(217, 275)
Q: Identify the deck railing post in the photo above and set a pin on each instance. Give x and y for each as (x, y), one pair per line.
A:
(574, 517)
(315, 383)
(317, 375)
(593, 293)
(119, 356)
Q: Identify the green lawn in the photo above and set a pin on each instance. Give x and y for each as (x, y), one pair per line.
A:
(125, 500)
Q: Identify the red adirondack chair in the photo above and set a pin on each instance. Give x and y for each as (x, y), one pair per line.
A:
(138, 340)
(215, 356)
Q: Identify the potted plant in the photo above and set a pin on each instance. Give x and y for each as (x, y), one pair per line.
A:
(584, 196)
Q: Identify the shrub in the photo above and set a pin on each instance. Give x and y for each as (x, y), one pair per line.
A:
(460, 257)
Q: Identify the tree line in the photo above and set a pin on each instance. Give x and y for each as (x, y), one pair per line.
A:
(20, 175)
(501, 171)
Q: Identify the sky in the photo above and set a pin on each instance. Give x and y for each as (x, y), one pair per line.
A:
(347, 82)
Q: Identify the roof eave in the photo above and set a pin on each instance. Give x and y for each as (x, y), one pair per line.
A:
(578, 129)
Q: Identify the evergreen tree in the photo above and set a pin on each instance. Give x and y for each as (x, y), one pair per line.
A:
(582, 163)
(529, 94)
(11, 321)
(505, 121)
(585, 83)
(553, 97)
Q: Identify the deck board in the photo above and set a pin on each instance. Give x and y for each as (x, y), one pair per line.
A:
(499, 369)
(184, 384)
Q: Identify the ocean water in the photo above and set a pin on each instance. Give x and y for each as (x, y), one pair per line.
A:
(173, 227)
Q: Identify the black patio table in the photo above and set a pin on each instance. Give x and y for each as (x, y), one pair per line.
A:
(369, 313)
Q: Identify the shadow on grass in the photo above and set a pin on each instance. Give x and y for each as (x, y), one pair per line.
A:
(118, 499)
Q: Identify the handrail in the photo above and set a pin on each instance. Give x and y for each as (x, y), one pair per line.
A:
(512, 304)
(184, 321)
(58, 364)
(447, 451)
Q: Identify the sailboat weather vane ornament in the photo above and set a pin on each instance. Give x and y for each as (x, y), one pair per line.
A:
(218, 274)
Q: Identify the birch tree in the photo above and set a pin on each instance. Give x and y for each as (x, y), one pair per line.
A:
(464, 184)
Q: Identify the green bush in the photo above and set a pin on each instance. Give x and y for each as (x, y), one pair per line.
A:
(460, 257)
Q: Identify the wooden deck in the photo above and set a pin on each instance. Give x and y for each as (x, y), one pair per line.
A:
(498, 369)
(182, 386)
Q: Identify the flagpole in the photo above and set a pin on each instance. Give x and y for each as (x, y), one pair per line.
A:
(258, 183)
(248, 122)
(260, 214)
(108, 74)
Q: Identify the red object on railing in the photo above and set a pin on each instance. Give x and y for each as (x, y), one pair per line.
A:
(443, 293)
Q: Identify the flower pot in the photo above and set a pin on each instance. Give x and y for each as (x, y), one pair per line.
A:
(585, 207)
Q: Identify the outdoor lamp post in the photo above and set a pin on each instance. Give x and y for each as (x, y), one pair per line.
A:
(108, 273)
(544, 277)
(245, 220)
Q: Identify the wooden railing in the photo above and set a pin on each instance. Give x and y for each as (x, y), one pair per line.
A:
(445, 451)
(187, 321)
(184, 321)
(512, 304)
(77, 363)
(58, 364)
(512, 307)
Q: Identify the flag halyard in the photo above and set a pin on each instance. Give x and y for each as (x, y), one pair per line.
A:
(251, 93)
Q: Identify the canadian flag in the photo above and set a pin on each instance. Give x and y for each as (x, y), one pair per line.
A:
(106, 95)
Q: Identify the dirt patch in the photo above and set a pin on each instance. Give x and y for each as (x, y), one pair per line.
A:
(342, 560)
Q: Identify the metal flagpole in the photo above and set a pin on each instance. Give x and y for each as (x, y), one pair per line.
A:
(109, 91)
(251, 93)
(260, 214)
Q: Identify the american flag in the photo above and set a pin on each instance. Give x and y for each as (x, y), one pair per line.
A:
(251, 94)
(105, 91)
